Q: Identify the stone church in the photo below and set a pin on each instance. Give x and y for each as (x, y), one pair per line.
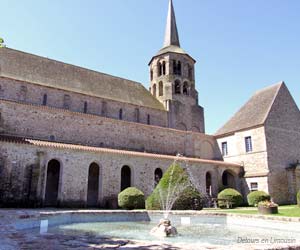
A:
(73, 137)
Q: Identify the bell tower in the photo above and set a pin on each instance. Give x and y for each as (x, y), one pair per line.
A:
(173, 80)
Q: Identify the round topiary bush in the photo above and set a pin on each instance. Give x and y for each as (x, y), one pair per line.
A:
(256, 196)
(232, 195)
(175, 186)
(298, 198)
(131, 198)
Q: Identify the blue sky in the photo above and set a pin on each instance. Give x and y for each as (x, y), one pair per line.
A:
(240, 46)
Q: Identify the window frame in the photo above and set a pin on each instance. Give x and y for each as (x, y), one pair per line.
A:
(248, 144)
(224, 149)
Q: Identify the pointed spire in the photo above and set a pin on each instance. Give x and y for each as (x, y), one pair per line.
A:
(171, 35)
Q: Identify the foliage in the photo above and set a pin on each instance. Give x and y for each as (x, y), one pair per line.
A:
(131, 198)
(267, 204)
(256, 196)
(175, 192)
(232, 196)
(298, 198)
(1, 42)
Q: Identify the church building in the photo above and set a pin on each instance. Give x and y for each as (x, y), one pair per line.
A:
(73, 137)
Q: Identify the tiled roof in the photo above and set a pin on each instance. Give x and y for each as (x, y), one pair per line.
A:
(58, 145)
(42, 71)
(254, 112)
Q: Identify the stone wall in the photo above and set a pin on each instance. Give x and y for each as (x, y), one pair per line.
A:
(75, 164)
(34, 94)
(46, 123)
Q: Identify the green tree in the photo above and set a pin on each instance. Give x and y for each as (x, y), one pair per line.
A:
(1, 43)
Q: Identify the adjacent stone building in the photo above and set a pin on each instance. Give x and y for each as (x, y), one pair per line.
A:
(264, 137)
(74, 137)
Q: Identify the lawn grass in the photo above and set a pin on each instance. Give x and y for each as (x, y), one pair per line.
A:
(288, 211)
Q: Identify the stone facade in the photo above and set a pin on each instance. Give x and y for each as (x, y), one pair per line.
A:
(272, 163)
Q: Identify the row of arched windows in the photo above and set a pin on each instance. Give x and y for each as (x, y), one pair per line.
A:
(177, 69)
(94, 185)
(178, 88)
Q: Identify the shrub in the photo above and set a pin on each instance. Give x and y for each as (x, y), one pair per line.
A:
(131, 198)
(176, 182)
(298, 198)
(256, 196)
(232, 196)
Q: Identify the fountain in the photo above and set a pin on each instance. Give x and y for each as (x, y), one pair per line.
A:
(179, 180)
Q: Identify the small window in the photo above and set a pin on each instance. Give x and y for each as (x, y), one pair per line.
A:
(23, 93)
(224, 149)
(52, 138)
(45, 97)
(148, 119)
(159, 69)
(154, 90)
(85, 107)
(104, 109)
(185, 88)
(151, 74)
(67, 101)
(164, 68)
(160, 89)
(1, 91)
(254, 186)
(248, 144)
(137, 115)
(121, 114)
(179, 68)
(177, 87)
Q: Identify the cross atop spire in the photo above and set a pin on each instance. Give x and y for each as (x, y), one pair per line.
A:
(171, 35)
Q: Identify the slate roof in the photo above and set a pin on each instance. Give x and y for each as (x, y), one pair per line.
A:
(50, 73)
(254, 112)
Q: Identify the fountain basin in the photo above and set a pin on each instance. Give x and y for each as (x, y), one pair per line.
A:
(205, 229)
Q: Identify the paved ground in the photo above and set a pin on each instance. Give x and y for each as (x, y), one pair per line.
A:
(12, 239)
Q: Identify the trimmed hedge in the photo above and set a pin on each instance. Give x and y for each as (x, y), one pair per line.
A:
(298, 198)
(131, 198)
(186, 195)
(256, 196)
(232, 196)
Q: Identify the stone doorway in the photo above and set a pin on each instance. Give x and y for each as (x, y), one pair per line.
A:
(228, 179)
(52, 183)
(93, 185)
(125, 177)
(208, 184)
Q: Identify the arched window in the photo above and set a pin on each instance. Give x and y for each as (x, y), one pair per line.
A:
(85, 107)
(23, 93)
(177, 87)
(228, 179)
(148, 119)
(159, 66)
(125, 177)
(154, 90)
(52, 183)
(104, 109)
(164, 68)
(93, 185)
(137, 115)
(208, 184)
(160, 89)
(179, 68)
(121, 114)
(67, 101)
(174, 67)
(1, 91)
(157, 175)
(185, 88)
(45, 99)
